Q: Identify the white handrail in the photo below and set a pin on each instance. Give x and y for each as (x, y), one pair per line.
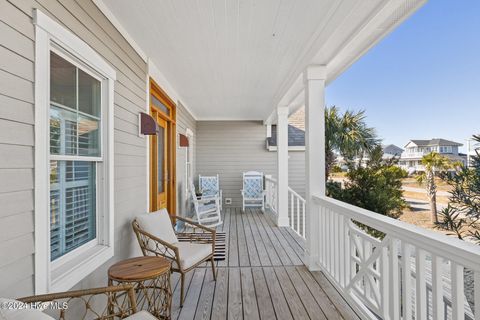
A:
(271, 193)
(296, 212)
(408, 270)
(296, 205)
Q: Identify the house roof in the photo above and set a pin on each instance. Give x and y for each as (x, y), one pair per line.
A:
(435, 142)
(296, 137)
(392, 149)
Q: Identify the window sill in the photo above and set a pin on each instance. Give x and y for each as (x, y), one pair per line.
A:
(65, 276)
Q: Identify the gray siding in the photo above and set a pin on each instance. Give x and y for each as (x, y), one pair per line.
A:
(230, 148)
(184, 120)
(84, 19)
(296, 171)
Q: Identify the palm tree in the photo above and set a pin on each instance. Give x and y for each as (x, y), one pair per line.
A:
(347, 134)
(433, 163)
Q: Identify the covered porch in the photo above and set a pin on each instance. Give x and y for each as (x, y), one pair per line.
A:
(230, 70)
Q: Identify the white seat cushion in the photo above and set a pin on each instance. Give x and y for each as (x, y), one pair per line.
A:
(142, 315)
(191, 253)
(158, 224)
(20, 314)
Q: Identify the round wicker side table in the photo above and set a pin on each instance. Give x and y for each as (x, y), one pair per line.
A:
(151, 279)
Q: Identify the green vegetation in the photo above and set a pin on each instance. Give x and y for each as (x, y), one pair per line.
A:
(348, 135)
(462, 216)
(376, 187)
(434, 163)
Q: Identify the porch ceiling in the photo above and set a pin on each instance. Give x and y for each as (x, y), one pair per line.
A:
(238, 59)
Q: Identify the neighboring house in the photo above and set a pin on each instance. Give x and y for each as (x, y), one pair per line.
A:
(391, 150)
(411, 158)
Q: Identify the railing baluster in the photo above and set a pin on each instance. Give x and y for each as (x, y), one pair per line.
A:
(299, 231)
(458, 308)
(406, 281)
(303, 219)
(291, 217)
(394, 305)
(385, 290)
(347, 253)
(341, 246)
(336, 253)
(421, 286)
(437, 287)
(476, 288)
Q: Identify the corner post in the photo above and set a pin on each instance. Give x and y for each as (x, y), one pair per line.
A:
(282, 166)
(314, 81)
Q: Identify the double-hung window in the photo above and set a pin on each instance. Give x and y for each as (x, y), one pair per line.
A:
(73, 158)
(75, 154)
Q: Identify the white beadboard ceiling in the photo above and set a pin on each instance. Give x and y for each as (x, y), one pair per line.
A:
(236, 59)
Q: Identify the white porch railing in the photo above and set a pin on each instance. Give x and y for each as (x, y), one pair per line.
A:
(271, 193)
(296, 205)
(409, 273)
(296, 212)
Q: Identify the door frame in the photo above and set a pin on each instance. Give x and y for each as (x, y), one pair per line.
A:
(160, 94)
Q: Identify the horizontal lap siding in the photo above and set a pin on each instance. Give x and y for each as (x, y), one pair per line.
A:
(82, 18)
(230, 148)
(184, 121)
(296, 171)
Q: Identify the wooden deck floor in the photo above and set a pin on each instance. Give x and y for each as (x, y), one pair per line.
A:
(262, 277)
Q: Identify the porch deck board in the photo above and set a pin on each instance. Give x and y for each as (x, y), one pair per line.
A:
(262, 277)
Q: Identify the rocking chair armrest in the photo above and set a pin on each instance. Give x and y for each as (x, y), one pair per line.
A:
(193, 223)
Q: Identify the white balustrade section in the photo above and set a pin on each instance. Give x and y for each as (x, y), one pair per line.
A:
(296, 205)
(296, 212)
(404, 272)
(271, 193)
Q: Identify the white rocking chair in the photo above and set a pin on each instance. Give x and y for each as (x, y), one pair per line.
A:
(210, 187)
(253, 193)
(207, 209)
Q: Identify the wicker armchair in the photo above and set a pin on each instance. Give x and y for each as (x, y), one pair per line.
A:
(187, 247)
(114, 302)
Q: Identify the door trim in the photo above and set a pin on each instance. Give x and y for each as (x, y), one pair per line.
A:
(160, 94)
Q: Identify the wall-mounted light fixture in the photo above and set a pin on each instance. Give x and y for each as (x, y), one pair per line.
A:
(183, 140)
(147, 125)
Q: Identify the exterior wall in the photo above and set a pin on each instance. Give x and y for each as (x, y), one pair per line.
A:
(17, 133)
(230, 148)
(296, 171)
(184, 121)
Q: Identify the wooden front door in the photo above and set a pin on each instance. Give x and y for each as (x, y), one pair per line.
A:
(159, 165)
(162, 151)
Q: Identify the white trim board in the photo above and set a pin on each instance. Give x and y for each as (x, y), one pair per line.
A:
(62, 276)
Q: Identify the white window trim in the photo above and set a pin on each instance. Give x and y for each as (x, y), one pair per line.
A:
(64, 277)
(290, 148)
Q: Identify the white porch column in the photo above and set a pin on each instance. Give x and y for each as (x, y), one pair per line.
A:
(314, 79)
(282, 166)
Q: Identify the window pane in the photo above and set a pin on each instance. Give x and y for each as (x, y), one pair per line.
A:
(89, 91)
(157, 103)
(62, 81)
(72, 205)
(88, 136)
(63, 131)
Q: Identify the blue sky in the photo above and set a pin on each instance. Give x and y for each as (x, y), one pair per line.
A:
(423, 80)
